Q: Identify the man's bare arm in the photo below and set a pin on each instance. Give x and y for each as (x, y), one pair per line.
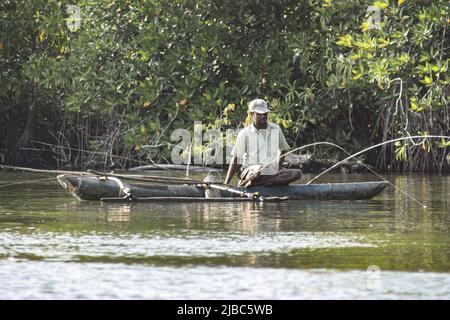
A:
(232, 169)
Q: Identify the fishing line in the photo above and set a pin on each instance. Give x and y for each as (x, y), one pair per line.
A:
(375, 146)
(26, 181)
(4, 166)
(391, 184)
(372, 147)
(115, 156)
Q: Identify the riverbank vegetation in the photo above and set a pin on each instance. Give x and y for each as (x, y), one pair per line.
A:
(107, 82)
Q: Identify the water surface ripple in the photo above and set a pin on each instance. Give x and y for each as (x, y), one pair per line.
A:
(54, 246)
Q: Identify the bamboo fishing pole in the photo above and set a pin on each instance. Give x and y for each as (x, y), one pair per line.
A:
(285, 154)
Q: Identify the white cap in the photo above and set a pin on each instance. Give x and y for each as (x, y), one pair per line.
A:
(258, 106)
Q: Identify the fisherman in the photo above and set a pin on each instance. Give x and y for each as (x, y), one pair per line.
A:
(256, 154)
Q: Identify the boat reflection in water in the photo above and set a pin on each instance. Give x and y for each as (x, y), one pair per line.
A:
(116, 212)
(247, 217)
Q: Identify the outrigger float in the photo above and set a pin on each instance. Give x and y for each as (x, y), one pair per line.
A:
(109, 188)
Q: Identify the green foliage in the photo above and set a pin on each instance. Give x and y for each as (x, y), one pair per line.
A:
(31, 38)
(136, 70)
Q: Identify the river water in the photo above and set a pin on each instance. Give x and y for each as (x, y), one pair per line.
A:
(53, 246)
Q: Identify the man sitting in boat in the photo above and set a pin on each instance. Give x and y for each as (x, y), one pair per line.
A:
(256, 154)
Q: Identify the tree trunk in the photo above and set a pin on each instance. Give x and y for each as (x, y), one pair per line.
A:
(19, 156)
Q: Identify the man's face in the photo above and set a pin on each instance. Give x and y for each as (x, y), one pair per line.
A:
(259, 119)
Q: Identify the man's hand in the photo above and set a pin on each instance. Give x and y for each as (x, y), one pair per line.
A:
(280, 163)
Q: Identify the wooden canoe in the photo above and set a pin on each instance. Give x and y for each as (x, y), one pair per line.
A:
(95, 188)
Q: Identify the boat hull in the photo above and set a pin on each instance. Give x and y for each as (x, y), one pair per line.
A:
(94, 188)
